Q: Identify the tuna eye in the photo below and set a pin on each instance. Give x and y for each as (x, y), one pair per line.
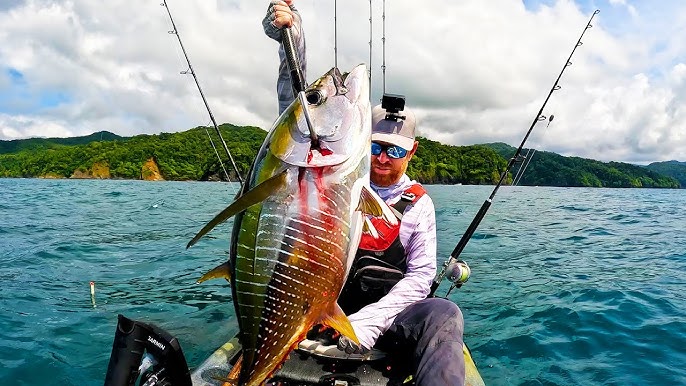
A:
(314, 97)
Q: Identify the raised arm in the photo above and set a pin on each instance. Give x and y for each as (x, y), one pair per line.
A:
(282, 14)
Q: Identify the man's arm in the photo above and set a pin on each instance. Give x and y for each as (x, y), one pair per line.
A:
(282, 14)
(374, 319)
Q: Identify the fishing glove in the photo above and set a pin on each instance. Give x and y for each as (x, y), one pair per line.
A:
(350, 347)
(268, 22)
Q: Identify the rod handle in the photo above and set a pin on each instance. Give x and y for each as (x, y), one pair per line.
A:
(297, 77)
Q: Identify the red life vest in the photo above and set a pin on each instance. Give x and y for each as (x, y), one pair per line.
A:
(380, 263)
(388, 233)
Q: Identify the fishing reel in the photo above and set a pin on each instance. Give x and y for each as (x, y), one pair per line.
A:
(147, 352)
(393, 104)
(458, 272)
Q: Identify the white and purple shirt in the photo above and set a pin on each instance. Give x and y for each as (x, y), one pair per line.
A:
(418, 237)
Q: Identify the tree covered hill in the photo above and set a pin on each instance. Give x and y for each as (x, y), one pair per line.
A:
(436, 163)
(551, 169)
(674, 169)
(46, 143)
(189, 155)
(179, 156)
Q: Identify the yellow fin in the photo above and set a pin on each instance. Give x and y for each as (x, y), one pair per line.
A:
(218, 272)
(372, 204)
(256, 195)
(369, 228)
(338, 321)
(232, 378)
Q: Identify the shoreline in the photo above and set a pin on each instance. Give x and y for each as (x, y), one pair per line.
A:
(423, 183)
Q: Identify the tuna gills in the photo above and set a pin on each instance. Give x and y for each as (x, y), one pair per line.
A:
(299, 220)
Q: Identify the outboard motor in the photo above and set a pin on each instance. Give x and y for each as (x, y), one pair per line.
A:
(145, 351)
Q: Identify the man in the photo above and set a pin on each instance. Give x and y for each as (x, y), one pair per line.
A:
(385, 296)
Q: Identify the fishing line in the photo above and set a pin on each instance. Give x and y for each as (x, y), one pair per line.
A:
(452, 263)
(190, 71)
(528, 156)
(217, 153)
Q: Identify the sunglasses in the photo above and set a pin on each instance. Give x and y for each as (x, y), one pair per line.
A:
(392, 151)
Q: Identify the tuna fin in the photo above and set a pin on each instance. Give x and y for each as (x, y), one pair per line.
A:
(371, 203)
(226, 381)
(232, 378)
(218, 272)
(369, 228)
(338, 321)
(256, 195)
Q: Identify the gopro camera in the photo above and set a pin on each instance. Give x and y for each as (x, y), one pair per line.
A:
(393, 104)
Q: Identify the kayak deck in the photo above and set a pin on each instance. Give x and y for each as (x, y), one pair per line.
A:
(303, 368)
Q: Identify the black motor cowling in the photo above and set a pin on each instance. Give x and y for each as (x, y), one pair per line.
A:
(165, 361)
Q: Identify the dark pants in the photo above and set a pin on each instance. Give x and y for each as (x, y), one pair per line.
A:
(429, 334)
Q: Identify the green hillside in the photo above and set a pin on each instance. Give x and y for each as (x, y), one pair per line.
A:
(674, 169)
(180, 156)
(435, 163)
(551, 169)
(188, 155)
(46, 143)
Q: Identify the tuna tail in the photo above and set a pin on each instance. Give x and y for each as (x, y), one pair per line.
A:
(232, 378)
(256, 195)
(337, 320)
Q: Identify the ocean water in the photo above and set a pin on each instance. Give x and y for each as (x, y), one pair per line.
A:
(569, 286)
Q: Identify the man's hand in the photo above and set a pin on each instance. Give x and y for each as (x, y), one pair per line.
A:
(281, 14)
(350, 347)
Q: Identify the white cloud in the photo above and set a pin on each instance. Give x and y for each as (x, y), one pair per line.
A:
(630, 8)
(474, 71)
(17, 127)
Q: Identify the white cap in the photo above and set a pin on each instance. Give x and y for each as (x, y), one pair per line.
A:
(396, 132)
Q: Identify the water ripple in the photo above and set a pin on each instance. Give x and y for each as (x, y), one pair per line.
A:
(568, 286)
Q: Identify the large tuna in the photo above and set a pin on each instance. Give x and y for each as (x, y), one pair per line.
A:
(299, 220)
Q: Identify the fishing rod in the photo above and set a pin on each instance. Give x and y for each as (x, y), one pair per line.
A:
(371, 31)
(383, 45)
(455, 266)
(190, 70)
(298, 79)
(335, 33)
(293, 61)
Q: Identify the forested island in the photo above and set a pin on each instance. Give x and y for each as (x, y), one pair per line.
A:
(188, 155)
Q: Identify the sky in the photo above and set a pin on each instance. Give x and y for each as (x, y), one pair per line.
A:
(473, 71)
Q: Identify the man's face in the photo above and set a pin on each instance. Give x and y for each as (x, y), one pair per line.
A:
(386, 171)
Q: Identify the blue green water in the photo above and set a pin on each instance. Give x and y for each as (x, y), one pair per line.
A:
(568, 287)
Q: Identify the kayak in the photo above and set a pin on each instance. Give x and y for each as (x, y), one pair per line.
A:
(146, 352)
(312, 364)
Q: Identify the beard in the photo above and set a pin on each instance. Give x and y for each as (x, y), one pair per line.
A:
(389, 179)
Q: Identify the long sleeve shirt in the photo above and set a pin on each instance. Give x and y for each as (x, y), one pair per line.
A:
(417, 229)
(418, 237)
